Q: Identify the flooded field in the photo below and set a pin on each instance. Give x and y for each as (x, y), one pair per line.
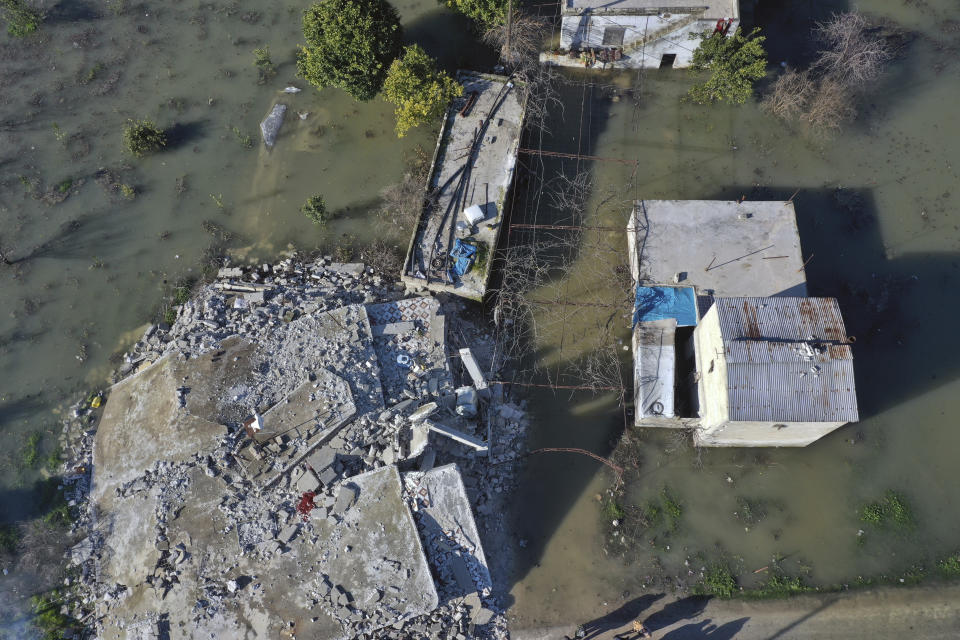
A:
(876, 208)
(877, 212)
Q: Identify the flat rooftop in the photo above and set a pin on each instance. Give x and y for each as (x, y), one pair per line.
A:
(712, 9)
(473, 165)
(722, 248)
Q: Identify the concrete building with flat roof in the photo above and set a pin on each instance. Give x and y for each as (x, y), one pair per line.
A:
(724, 340)
(637, 33)
(470, 178)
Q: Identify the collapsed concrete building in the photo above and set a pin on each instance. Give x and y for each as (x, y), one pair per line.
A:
(637, 33)
(266, 468)
(725, 341)
(470, 179)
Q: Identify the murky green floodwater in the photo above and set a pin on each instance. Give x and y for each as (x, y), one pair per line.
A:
(886, 246)
(94, 268)
(98, 265)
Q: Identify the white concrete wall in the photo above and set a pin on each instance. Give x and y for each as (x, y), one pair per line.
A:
(712, 367)
(587, 30)
(764, 434)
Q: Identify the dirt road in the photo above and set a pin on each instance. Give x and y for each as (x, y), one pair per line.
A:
(927, 613)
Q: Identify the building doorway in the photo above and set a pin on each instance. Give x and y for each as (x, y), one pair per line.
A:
(667, 60)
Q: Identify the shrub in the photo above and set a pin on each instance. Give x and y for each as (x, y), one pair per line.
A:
(950, 566)
(265, 67)
(52, 624)
(735, 62)
(30, 453)
(141, 137)
(892, 508)
(350, 45)
(717, 581)
(316, 209)
(419, 90)
(21, 19)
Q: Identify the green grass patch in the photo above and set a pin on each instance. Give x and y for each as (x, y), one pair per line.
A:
(54, 510)
(893, 510)
(64, 186)
(779, 585)
(612, 510)
(181, 295)
(30, 453)
(717, 581)
(48, 620)
(950, 566)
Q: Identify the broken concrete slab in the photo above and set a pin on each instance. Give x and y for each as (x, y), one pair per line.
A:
(423, 412)
(448, 530)
(459, 436)
(321, 458)
(392, 329)
(346, 497)
(308, 482)
(351, 268)
(470, 363)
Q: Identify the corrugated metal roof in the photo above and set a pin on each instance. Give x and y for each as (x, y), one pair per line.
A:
(788, 360)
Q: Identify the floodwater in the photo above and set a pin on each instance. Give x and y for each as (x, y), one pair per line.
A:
(96, 267)
(877, 213)
(93, 268)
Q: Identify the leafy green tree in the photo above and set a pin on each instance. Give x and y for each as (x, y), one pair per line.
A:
(350, 45)
(141, 137)
(21, 19)
(420, 90)
(487, 13)
(735, 62)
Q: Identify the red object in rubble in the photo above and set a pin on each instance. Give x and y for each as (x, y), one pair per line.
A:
(305, 506)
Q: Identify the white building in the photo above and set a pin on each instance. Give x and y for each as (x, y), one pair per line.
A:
(724, 340)
(773, 372)
(637, 33)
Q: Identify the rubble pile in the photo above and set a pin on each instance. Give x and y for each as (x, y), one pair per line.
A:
(301, 452)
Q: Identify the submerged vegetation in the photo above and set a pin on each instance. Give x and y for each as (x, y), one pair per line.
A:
(891, 510)
(265, 67)
(142, 137)
(316, 210)
(21, 19)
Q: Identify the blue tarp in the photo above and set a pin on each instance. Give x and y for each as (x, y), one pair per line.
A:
(463, 255)
(660, 303)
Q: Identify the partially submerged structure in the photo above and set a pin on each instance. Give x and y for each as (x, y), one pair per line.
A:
(637, 33)
(470, 178)
(724, 340)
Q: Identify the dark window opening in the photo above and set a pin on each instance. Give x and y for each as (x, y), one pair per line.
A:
(613, 36)
(666, 62)
(686, 402)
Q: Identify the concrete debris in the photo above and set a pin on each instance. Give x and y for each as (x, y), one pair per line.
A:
(270, 127)
(470, 363)
(467, 401)
(305, 517)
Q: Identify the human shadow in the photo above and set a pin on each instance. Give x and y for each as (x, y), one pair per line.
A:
(616, 619)
(706, 630)
(682, 609)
